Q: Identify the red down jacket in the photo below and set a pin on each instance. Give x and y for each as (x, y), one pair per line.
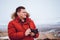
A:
(16, 29)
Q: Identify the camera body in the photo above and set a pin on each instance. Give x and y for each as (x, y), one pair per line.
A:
(34, 31)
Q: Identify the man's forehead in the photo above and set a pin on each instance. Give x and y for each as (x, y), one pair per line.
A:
(23, 10)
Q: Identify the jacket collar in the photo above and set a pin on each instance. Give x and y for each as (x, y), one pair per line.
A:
(19, 20)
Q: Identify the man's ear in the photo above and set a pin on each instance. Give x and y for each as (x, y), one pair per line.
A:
(17, 13)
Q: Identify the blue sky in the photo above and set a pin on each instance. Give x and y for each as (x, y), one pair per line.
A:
(41, 11)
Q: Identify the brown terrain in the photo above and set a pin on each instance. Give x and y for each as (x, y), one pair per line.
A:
(47, 36)
(4, 36)
(42, 36)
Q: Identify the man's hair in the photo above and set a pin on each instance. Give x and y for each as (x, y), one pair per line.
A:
(18, 9)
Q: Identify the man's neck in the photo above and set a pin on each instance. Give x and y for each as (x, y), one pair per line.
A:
(22, 19)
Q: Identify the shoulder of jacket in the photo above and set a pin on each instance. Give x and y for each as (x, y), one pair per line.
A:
(30, 20)
(11, 21)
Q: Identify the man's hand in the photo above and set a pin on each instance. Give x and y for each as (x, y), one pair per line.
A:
(32, 34)
(27, 32)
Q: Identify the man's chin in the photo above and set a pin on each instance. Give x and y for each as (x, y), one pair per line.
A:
(25, 17)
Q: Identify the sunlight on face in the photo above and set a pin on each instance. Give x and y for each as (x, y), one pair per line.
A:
(22, 13)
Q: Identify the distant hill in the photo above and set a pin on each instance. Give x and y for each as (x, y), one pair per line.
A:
(48, 27)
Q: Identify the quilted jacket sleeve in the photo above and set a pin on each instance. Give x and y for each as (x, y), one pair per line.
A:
(12, 32)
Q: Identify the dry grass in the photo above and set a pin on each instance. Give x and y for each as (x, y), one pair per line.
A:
(47, 36)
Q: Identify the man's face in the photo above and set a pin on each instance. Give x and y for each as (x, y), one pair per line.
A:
(22, 13)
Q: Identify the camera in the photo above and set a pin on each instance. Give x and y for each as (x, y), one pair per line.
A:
(34, 31)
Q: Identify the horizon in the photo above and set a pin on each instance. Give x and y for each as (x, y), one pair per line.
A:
(4, 28)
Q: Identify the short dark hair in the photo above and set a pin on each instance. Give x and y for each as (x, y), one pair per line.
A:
(19, 8)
